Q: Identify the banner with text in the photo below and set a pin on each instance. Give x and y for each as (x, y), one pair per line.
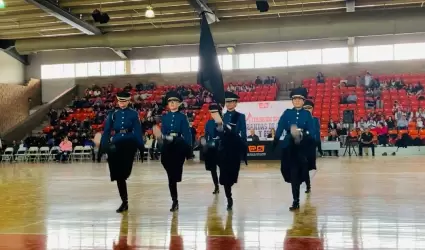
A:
(263, 116)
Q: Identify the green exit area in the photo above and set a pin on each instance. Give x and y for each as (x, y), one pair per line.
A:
(2, 5)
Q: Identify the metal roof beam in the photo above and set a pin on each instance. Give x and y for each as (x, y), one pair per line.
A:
(121, 53)
(65, 17)
(8, 47)
(201, 6)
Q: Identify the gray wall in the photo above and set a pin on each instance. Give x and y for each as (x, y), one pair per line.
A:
(51, 88)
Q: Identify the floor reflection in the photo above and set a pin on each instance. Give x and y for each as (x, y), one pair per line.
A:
(355, 204)
(304, 233)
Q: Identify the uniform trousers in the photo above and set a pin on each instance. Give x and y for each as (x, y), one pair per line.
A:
(120, 163)
(173, 156)
(294, 168)
(211, 162)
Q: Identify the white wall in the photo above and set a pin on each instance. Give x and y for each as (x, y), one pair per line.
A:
(11, 70)
(50, 89)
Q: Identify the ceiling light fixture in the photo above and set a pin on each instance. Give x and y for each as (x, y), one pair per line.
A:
(149, 12)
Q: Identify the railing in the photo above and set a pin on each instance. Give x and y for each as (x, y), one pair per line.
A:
(21, 130)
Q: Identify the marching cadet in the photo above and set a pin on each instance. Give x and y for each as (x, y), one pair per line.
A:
(211, 146)
(177, 144)
(121, 149)
(314, 142)
(233, 145)
(298, 124)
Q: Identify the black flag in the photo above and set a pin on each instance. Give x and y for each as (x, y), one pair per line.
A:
(209, 72)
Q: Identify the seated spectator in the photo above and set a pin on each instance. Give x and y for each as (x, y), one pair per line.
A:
(272, 133)
(253, 136)
(340, 130)
(382, 132)
(331, 125)
(333, 136)
(419, 123)
(366, 140)
(390, 122)
(352, 98)
(402, 123)
(362, 124)
(420, 113)
(273, 80)
(371, 123)
(258, 80)
(320, 78)
(65, 150)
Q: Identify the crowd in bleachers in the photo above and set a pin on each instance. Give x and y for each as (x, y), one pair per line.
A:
(78, 123)
(388, 105)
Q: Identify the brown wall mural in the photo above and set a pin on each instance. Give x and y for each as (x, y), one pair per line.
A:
(15, 104)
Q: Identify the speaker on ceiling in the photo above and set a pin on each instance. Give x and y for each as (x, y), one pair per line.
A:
(348, 116)
(262, 5)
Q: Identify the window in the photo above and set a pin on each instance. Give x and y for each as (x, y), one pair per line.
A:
(120, 68)
(227, 62)
(53, 71)
(107, 68)
(138, 67)
(375, 53)
(335, 55)
(81, 70)
(93, 69)
(246, 61)
(172, 65)
(270, 60)
(152, 66)
(409, 51)
(304, 57)
(194, 63)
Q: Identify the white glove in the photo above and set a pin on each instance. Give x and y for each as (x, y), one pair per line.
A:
(169, 137)
(203, 142)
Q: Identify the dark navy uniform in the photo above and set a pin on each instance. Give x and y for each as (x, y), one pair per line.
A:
(177, 145)
(313, 142)
(232, 147)
(294, 146)
(211, 147)
(127, 138)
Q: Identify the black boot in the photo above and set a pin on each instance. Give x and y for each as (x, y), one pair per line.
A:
(122, 189)
(229, 204)
(216, 190)
(308, 190)
(295, 206)
(123, 207)
(175, 206)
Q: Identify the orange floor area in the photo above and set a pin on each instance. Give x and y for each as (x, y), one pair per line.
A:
(369, 203)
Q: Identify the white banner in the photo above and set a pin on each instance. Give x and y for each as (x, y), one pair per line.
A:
(262, 116)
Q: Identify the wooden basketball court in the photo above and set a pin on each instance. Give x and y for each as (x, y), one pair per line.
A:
(357, 203)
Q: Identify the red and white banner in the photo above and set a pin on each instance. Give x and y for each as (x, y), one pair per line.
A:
(263, 116)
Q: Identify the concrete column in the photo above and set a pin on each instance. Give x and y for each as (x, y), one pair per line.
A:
(351, 50)
(127, 67)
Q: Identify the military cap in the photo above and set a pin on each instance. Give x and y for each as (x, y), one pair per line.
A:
(230, 96)
(298, 93)
(173, 96)
(123, 96)
(308, 104)
(214, 108)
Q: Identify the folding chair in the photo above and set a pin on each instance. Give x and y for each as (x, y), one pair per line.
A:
(87, 152)
(53, 152)
(44, 154)
(21, 154)
(77, 154)
(7, 155)
(32, 154)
